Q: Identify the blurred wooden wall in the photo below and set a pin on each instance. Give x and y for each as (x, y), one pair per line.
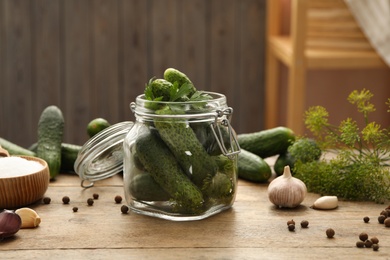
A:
(92, 58)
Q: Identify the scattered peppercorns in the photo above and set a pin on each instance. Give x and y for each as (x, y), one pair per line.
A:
(75, 209)
(118, 199)
(46, 200)
(366, 219)
(65, 200)
(363, 236)
(304, 223)
(124, 209)
(291, 227)
(95, 196)
(330, 233)
(90, 201)
(375, 247)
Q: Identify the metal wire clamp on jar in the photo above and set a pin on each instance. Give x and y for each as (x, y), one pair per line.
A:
(180, 163)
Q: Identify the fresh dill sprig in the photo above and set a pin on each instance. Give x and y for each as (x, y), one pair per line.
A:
(360, 168)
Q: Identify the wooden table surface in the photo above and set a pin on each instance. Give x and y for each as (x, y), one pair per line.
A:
(252, 229)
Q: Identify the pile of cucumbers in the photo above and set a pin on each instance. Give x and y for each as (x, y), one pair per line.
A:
(59, 156)
(257, 146)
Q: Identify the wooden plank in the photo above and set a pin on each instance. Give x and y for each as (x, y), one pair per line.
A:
(134, 36)
(103, 231)
(77, 69)
(334, 43)
(104, 62)
(60, 52)
(192, 41)
(163, 37)
(172, 253)
(251, 50)
(223, 51)
(18, 85)
(47, 55)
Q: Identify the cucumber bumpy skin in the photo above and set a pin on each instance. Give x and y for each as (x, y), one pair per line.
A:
(188, 151)
(173, 75)
(69, 153)
(50, 134)
(222, 186)
(162, 165)
(161, 88)
(144, 187)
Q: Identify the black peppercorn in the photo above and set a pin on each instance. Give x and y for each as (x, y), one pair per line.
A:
(374, 240)
(124, 209)
(368, 243)
(363, 236)
(330, 233)
(290, 222)
(46, 200)
(304, 223)
(90, 202)
(75, 209)
(118, 199)
(366, 219)
(291, 227)
(360, 244)
(95, 196)
(375, 247)
(381, 219)
(387, 222)
(384, 213)
(65, 200)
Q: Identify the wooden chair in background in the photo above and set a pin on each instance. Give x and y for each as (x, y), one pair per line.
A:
(323, 35)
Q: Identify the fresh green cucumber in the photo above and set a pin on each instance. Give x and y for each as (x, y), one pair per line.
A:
(283, 160)
(252, 167)
(161, 89)
(50, 134)
(144, 187)
(14, 149)
(222, 186)
(173, 75)
(165, 170)
(185, 146)
(268, 142)
(69, 153)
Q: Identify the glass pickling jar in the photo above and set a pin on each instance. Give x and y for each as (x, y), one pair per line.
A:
(180, 158)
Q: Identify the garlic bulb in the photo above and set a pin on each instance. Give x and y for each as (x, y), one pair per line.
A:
(286, 191)
(10, 223)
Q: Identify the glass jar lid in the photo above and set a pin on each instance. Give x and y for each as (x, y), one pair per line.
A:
(102, 156)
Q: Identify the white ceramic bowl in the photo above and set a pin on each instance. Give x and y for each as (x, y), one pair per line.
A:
(19, 191)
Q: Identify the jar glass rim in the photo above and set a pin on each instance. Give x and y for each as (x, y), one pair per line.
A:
(216, 97)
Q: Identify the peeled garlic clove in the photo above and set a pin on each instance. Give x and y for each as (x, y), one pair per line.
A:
(286, 191)
(326, 202)
(30, 218)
